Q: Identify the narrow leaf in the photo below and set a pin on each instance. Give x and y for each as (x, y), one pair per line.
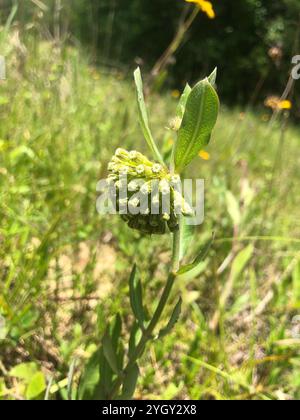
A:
(106, 378)
(233, 208)
(199, 119)
(109, 352)
(190, 271)
(143, 117)
(133, 339)
(174, 318)
(241, 260)
(238, 266)
(136, 298)
(193, 271)
(121, 354)
(129, 383)
(90, 378)
(212, 78)
(116, 332)
(70, 379)
(186, 235)
(183, 100)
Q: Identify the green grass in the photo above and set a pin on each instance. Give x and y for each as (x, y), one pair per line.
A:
(64, 268)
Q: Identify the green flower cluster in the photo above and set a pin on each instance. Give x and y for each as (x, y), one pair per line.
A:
(145, 194)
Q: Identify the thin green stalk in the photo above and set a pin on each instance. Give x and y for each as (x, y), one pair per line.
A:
(148, 333)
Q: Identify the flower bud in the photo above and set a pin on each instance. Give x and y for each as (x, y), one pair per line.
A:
(152, 201)
(140, 169)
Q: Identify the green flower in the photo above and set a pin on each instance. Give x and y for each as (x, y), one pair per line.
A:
(145, 192)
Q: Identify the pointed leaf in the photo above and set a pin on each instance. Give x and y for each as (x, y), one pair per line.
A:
(121, 354)
(241, 260)
(133, 339)
(70, 379)
(136, 298)
(183, 100)
(89, 378)
(143, 117)
(116, 341)
(106, 378)
(193, 271)
(212, 78)
(116, 332)
(186, 235)
(129, 383)
(238, 266)
(95, 382)
(233, 208)
(199, 119)
(190, 271)
(174, 318)
(109, 352)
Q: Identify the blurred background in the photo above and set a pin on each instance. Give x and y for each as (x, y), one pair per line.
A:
(66, 104)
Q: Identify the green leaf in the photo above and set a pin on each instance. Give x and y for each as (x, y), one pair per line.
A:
(193, 271)
(174, 318)
(96, 382)
(129, 382)
(36, 386)
(190, 271)
(143, 117)
(90, 378)
(183, 100)
(109, 352)
(24, 371)
(70, 379)
(136, 298)
(133, 339)
(121, 355)
(116, 342)
(116, 332)
(241, 260)
(233, 208)
(199, 119)
(238, 266)
(186, 234)
(212, 78)
(106, 378)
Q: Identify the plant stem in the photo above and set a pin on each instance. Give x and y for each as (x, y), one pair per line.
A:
(147, 334)
(176, 251)
(163, 61)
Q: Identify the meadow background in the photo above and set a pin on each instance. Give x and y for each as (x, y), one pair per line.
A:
(67, 103)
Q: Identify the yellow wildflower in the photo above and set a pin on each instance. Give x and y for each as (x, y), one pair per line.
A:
(275, 103)
(285, 104)
(204, 155)
(205, 6)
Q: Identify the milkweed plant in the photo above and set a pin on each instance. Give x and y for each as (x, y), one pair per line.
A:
(147, 194)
